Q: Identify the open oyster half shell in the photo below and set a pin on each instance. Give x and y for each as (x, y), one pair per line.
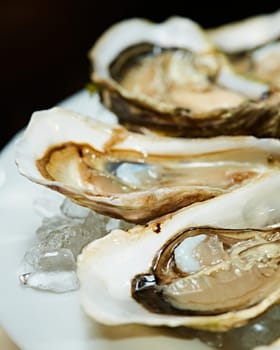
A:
(176, 271)
(169, 78)
(132, 176)
(252, 45)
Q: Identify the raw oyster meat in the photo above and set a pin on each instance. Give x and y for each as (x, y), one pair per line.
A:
(132, 176)
(169, 78)
(265, 63)
(177, 271)
(252, 45)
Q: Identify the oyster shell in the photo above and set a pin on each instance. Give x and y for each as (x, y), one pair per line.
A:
(132, 176)
(176, 271)
(252, 45)
(265, 63)
(247, 34)
(274, 346)
(169, 78)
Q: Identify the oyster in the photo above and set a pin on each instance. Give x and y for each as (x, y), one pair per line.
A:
(265, 63)
(252, 45)
(169, 78)
(274, 346)
(132, 176)
(177, 271)
(247, 34)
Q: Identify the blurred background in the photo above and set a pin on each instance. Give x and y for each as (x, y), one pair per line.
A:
(44, 45)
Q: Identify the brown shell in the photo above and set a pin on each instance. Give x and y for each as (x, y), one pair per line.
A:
(259, 118)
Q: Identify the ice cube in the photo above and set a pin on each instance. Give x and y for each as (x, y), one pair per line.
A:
(55, 260)
(55, 223)
(58, 281)
(59, 240)
(72, 210)
(73, 234)
(113, 224)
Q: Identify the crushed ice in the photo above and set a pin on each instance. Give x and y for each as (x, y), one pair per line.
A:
(50, 264)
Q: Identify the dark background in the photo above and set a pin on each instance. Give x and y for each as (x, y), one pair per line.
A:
(44, 44)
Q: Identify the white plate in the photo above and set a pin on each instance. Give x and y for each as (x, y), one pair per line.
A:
(44, 321)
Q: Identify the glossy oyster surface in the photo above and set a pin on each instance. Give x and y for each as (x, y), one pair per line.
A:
(252, 45)
(265, 63)
(262, 63)
(169, 78)
(210, 271)
(177, 271)
(132, 176)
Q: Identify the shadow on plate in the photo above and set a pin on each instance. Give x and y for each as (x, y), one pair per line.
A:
(261, 331)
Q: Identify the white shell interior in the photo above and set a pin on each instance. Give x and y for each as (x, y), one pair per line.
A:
(247, 34)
